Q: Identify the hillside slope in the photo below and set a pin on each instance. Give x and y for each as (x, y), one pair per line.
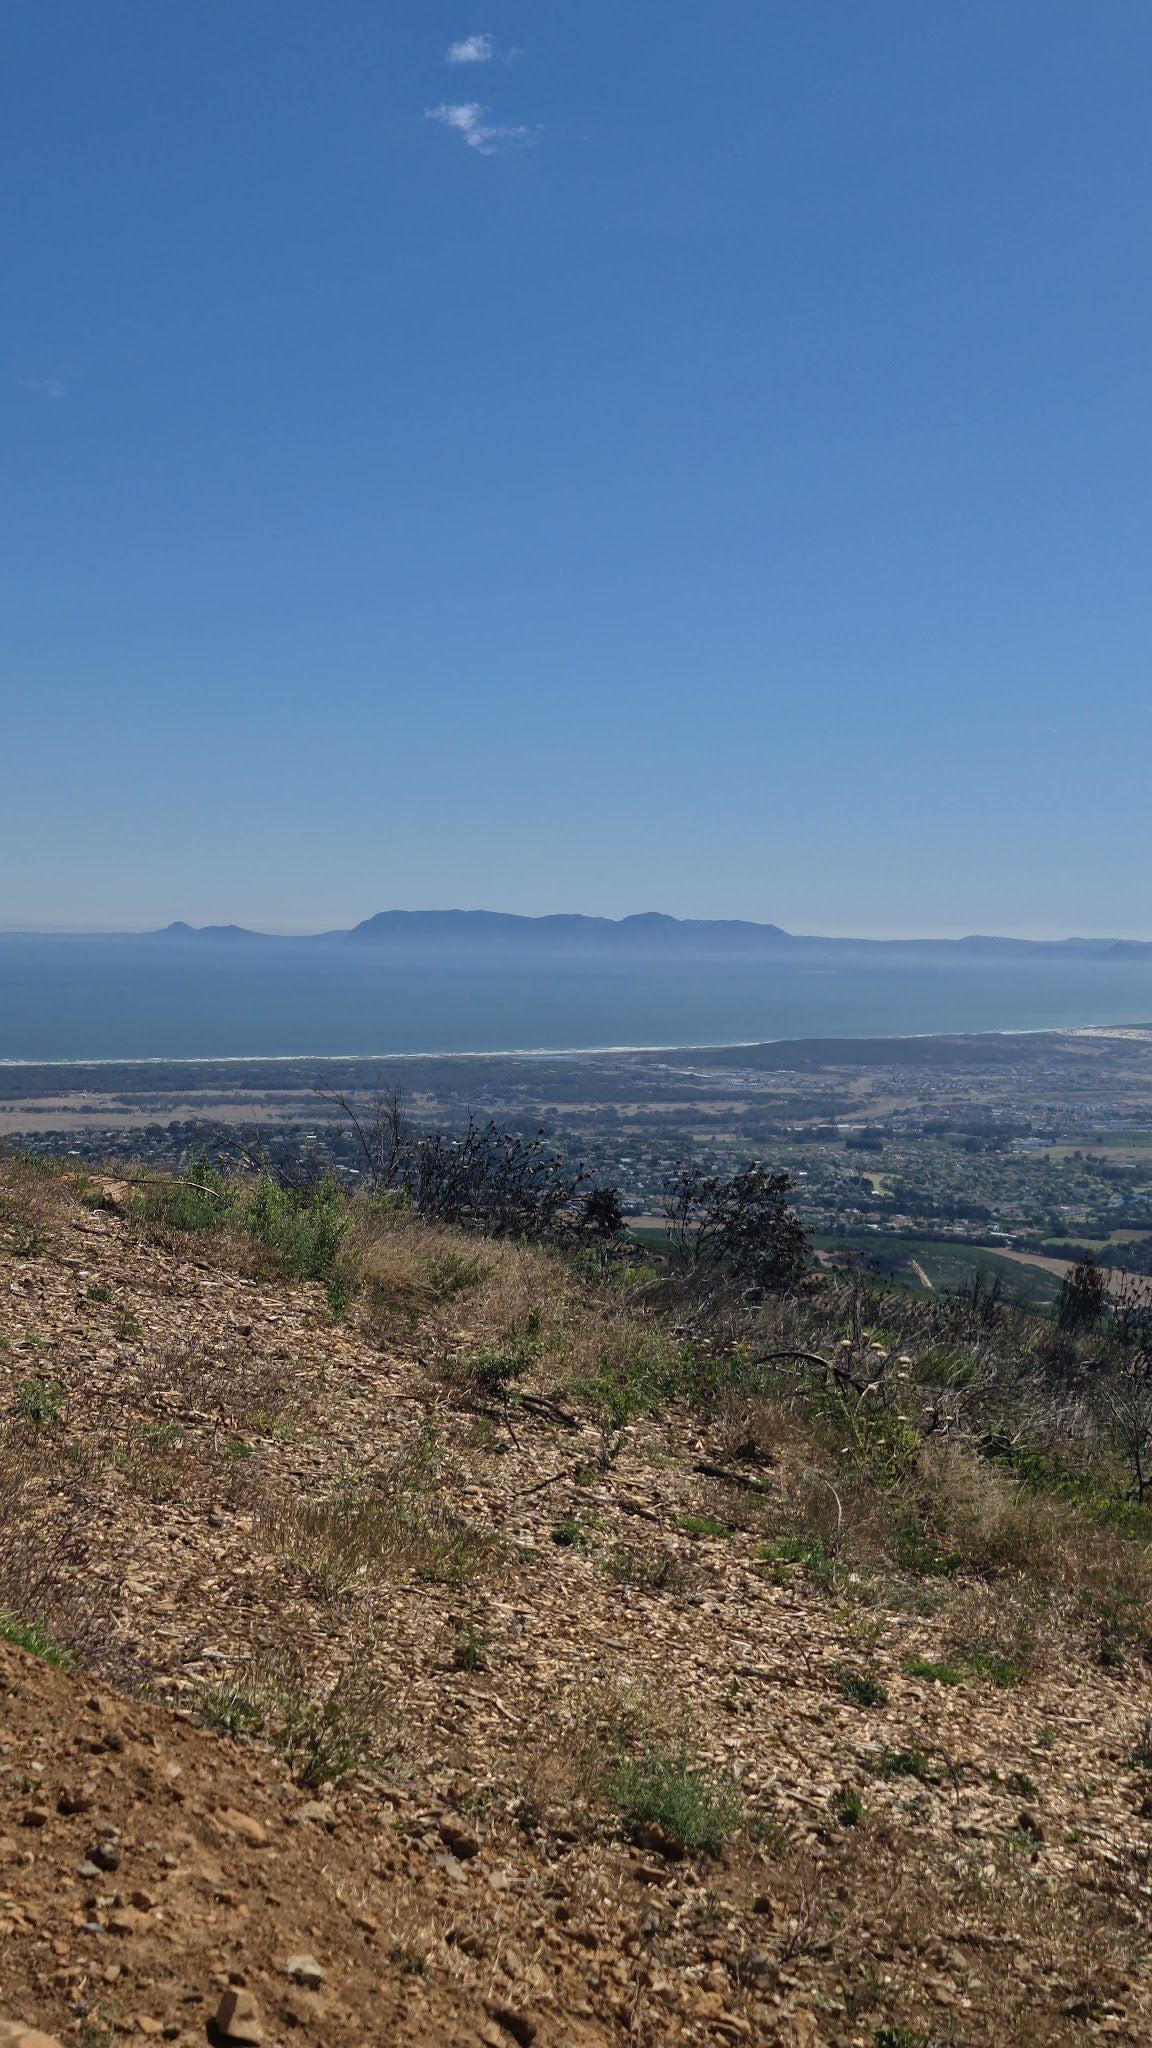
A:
(361, 1668)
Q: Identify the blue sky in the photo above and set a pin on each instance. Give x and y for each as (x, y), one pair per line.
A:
(706, 465)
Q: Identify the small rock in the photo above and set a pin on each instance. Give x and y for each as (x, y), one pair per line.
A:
(14, 2034)
(648, 1835)
(124, 1920)
(1029, 1825)
(147, 2024)
(143, 1901)
(305, 1970)
(238, 2017)
(105, 1855)
(462, 1842)
(245, 1825)
(519, 2024)
(76, 1799)
(35, 1817)
(317, 1811)
(367, 1922)
(86, 1869)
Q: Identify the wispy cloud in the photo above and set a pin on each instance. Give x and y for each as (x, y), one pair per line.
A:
(487, 137)
(44, 387)
(471, 50)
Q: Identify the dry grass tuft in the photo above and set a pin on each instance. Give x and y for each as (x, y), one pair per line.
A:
(393, 1522)
(34, 1196)
(327, 1723)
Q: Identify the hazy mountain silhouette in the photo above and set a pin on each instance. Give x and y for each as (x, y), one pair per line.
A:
(645, 933)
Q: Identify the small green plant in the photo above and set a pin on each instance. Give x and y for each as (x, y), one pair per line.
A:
(702, 1525)
(903, 1763)
(860, 1688)
(100, 1293)
(163, 1436)
(98, 2028)
(470, 1650)
(324, 1731)
(1020, 1785)
(453, 1273)
(38, 1401)
(340, 1293)
(305, 1227)
(200, 1199)
(998, 1669)
(849, 1808)
(570, 1534)
(324, 1741)
(33, 1637)
(230, 1712)
(128, 1326)
(668, 1790)
(27, 1238)
(495, 1368)
(780, 1552)
(900, 2037)
(933, 1673)
(1140, 1754)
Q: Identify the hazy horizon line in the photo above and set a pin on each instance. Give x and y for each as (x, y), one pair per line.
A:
(1051, 936)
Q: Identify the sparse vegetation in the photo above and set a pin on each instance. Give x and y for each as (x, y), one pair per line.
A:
(516, 1461)
(651, 1568)
(397, 1522)
(861, 1688)
(703, 1525)
(935, 1673)
(325, 1728)
(33, 1637)
(38, 1401)
(668, 1790)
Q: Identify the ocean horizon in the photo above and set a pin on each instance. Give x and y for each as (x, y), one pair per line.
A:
(79, 999)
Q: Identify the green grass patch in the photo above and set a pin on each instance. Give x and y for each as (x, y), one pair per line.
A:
(860, 1688)
(902, 1763)
(38, 1401)
(34, 1637)
(668, 1790)
(936, 1674)
(997, 1669)
(304, 1228)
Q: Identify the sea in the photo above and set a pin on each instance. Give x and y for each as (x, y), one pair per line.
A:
(91, 998)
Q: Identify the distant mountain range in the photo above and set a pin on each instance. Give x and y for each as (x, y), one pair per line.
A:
(495, 931)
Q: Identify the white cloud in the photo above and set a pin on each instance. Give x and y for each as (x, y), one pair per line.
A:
(44, 387)
(488, 138)
(471, 50)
